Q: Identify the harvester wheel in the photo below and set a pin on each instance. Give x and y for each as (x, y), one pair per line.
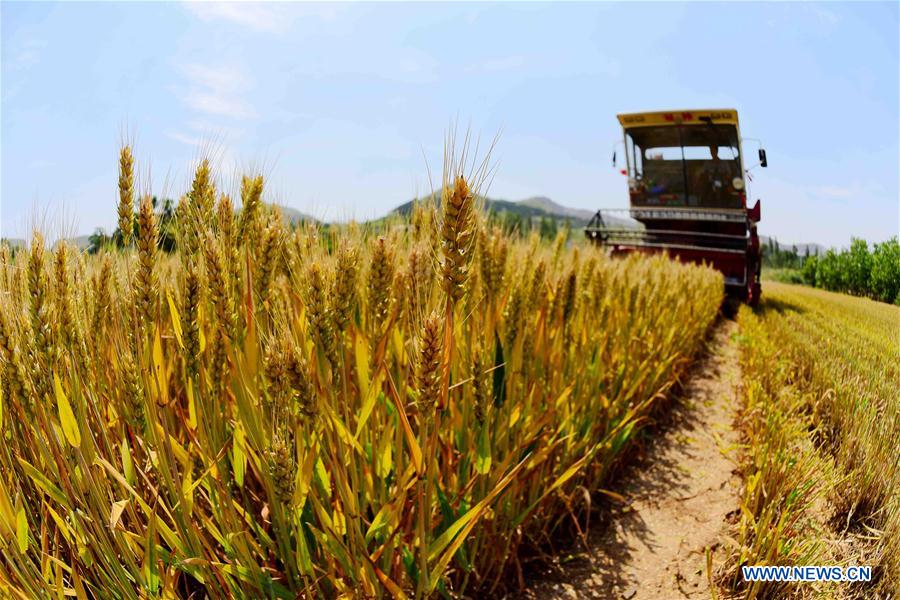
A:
(753, 294)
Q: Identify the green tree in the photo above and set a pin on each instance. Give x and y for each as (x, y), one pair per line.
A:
(810, 264)
(828, 271)
(166, 218)
(99, 240)
(166, 224)
(885, 274)
(858, 267)
(777, 258)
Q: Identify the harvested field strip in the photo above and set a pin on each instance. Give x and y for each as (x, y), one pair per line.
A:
(822, 425)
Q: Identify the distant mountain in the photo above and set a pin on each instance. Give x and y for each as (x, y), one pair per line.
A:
(578, 217)
(292, 216)
(81, 242)
(813, 247)
(490, 204)
(549, 206)
(533, 208)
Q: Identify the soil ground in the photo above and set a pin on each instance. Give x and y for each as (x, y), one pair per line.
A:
(679, 494)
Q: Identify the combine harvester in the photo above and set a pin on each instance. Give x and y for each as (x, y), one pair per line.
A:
(688, 195)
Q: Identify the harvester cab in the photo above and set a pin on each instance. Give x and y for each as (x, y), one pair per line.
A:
(687, 187)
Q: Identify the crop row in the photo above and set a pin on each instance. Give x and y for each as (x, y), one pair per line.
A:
(821, 421)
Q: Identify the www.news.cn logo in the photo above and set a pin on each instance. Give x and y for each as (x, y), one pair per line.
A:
(811, 573)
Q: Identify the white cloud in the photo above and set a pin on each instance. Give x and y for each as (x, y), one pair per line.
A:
(217, 91)
(246, 14)
(205, 134)
(824, 15)
(217, 104)
(834, 191)
(214, 94)
(27, 55)
(398, 102)
(503, 64)
(208, 127)
(854, 190)
(184, 139)
(265, 17)
(226, 79)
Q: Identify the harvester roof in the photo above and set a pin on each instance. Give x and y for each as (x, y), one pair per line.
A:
(679, 117)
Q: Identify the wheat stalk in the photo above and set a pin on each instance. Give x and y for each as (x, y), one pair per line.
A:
(190, 316)
(126, 194)
(344, 289)
(380, 280)
(145, 282)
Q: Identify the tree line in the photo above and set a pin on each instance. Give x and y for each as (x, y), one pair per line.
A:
(859, 270)
(165, 214)
(516, 224)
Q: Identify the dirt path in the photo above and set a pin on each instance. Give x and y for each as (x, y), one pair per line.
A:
(679, 494)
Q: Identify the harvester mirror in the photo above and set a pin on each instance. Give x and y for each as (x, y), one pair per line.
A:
(762, 158)
(614, 159)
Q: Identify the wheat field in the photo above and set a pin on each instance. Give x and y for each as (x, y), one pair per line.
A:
(391, 410)
(821, 424)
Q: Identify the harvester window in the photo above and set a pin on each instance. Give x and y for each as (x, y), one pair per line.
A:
(686, 165)
(690, 153)
(635, 159)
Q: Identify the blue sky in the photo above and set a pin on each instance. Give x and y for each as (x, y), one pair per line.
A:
(341, 105)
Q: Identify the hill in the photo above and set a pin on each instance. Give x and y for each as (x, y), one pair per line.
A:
(550, 207)
(532, 209)
(81, 242)
(293, 216)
